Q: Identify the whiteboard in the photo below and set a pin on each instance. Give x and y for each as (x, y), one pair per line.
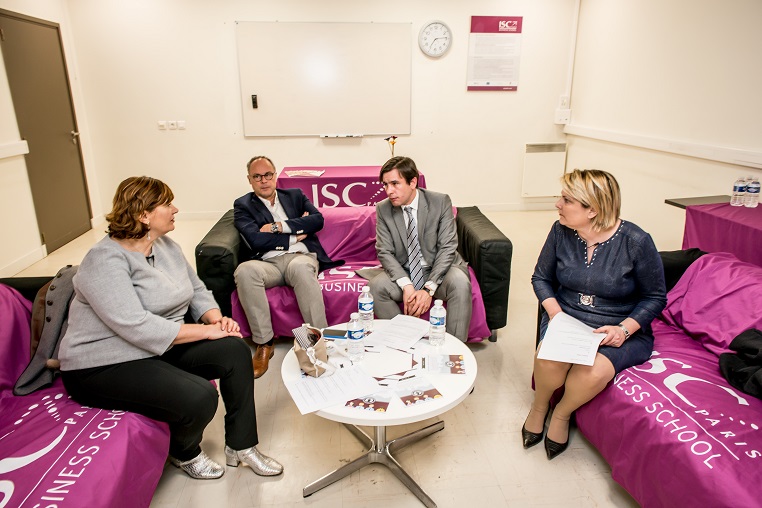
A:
(325, 78)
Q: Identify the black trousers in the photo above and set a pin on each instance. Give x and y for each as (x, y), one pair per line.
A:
(175, 388)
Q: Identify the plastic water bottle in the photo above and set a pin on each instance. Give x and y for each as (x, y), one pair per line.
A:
(752, 193)
(365, 308)
(437, 324)
(739, 192)
(355, 338)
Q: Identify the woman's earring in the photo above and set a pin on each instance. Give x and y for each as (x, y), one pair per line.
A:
(148, 225)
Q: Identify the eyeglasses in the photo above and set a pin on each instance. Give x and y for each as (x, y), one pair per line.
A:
(267, 176)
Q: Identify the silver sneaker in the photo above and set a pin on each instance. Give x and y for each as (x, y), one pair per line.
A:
(259, 463)
(201, 467)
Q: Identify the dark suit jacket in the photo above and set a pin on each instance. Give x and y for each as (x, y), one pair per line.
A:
(437, 235)
(249, 214)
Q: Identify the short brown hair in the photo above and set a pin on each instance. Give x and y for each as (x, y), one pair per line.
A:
(404, 165)
(598, 190)
(135, 196)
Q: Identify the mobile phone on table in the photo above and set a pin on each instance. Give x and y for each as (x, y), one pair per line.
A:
(334, 333)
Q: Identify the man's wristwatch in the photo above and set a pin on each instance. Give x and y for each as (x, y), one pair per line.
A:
(430, 290)
(275, 228)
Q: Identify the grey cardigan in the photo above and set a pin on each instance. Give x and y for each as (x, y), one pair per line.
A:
(126, 309)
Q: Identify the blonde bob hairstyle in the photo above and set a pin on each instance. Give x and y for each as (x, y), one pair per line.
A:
(597, 190)
(134, 197)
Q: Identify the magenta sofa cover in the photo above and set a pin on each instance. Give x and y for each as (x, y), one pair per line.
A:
(348, 234)
(674, 432)
(55, 452)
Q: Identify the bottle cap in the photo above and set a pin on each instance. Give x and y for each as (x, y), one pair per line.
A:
(437, 302)
(365, 288)
(354, 315)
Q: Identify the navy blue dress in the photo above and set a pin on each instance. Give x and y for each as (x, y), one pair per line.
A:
(624, 278)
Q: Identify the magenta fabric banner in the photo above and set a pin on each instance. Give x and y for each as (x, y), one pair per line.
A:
(57, 453)
(336, 186)
(720, 227)
(673, 430)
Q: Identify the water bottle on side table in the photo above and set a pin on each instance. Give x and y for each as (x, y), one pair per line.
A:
(437, 324)
(752, 193)
(365, 308)
(355, 338)
(739, 192)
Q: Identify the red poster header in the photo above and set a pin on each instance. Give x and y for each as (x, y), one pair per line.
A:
(496, 24)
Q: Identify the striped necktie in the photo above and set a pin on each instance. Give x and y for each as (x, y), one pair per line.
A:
(414, 251)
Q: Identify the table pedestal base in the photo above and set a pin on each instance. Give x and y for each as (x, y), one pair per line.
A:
(380, 452)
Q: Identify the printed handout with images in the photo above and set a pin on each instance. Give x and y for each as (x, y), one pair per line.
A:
(444, 364)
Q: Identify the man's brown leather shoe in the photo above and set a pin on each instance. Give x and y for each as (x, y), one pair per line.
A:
(262, 359)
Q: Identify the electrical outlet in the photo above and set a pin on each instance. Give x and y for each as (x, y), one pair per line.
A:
(563, 102)
(172, 124)
(563, 116)
(181, 125)
(162, 124)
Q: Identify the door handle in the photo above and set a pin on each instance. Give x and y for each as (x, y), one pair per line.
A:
(74, 136)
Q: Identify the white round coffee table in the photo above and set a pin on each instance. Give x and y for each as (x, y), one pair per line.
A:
(453, 387)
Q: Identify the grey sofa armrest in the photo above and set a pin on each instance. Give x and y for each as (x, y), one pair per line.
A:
(489, 253)
(217, 256)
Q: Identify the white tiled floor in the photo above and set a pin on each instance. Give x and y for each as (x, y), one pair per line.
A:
(477, 460)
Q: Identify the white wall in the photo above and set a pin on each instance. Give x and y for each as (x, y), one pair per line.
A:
(143, 61)
(682, 74)
(133, 63)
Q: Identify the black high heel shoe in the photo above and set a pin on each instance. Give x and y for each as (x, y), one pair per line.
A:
(554, 449)
(532, 438)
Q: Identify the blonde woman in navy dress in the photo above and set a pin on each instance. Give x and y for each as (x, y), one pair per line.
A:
(607, 273)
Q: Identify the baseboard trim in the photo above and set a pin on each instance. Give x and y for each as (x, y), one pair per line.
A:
(23, 262)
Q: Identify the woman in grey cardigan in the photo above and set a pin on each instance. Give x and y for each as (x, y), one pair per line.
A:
(127, 346)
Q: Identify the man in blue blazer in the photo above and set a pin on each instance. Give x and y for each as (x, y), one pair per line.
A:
(278, 226)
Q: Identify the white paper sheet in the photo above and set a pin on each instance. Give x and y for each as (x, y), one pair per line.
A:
(381, 361)
(312, 394)
(401, 332)
(569, 340)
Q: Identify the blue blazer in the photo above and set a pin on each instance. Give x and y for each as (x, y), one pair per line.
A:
(250, 214)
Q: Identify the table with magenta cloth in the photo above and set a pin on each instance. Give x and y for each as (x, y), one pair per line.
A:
(338, 185)
(720, 227)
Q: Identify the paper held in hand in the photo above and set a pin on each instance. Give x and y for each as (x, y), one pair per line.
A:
(570, 340)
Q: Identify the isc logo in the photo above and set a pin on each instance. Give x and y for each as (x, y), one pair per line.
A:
(507, 26)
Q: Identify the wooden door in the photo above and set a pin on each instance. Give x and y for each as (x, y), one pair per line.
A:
(39, 84)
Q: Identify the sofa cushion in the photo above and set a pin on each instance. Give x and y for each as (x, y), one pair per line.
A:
(349, 233)
(674, 432)
(14, 337)
(716, 299)
(56, 452)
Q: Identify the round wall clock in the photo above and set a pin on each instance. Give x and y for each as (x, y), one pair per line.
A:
(434, 38)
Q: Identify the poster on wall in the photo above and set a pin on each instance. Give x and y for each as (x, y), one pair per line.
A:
(494, 53)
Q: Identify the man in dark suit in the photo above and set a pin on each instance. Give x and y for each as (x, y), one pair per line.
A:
(279, 227)
(417, 242)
